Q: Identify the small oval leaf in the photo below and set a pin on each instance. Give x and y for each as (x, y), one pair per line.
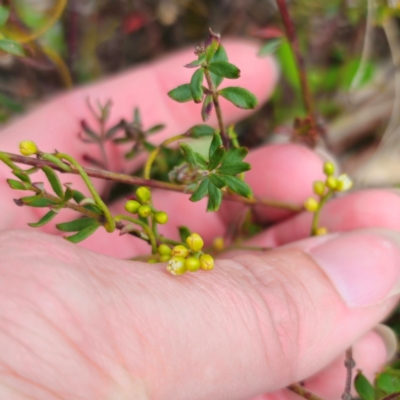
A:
(224, 69)
(363, 387)
(238, 186)
(54, 181)
(214, 198)
(198, 131)
(240, 97)
(83, 234)
(17, 185)
(201, 191)
(44, 220)
(207, 107)
(77, 224)
(196, 85)
(181, 94)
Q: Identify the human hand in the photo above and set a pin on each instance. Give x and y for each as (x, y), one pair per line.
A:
(79, 324)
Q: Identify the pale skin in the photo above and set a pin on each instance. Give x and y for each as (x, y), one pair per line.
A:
(83, 323)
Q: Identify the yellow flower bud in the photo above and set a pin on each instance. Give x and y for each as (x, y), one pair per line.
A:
(143, 194)
(180, 251)
(319, 188)
(165, 257)
(152, 261)
(329, 168)
(176, 265)
(331, 182)
(311, 204)
(132, 206)
(28, 148)
(219, 243)
(206, 262)
(164, 249)
(321, 231)
(195, 242)
(161, 217)
(144, 211)
(344, 183)
(192, 264)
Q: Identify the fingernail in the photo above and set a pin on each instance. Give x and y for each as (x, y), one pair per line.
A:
(389, 339)
(364, 266)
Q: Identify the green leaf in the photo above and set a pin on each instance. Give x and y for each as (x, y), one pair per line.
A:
(184, 233)
(235, 155)
(215, 144)
(288, 65)
(240, 97)
(214, 198)
(69, 194)
(114, 130)
(217, 180)
(211, 48)
(54, 181)
(201, 191)
(392, 396)
(216, 158)
(155, 129)
(23, 176)
(220, 55)
(232, 163)
(196, 63)
(44, 220)
(198, 131)
(196, 85)
(193, 158)
(224, 69)
(37, 201)
(234, 169)
(4, 14)
(364, 389)
(207, 107)
(270, 47)
(90, 132)
(78, 196)
(181, 94)
(77, 224)
(83, 234)
(17, 185)
(238, 186)
(388, 383)
(12, 47)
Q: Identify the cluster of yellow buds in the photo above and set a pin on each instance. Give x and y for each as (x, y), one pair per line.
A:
(325, 189)
(28, 148)
(142, 206)
(183, 258)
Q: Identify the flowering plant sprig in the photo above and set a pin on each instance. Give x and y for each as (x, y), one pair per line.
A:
(324, 191)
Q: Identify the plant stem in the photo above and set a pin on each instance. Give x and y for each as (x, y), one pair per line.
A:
(301, 391)
(145, 227)
(349, 363)
(294, 44)
(110, 225)
(165, 240)
(133, 180)
(154, 153)
(317, 214)
(71, 206)
(218, 111)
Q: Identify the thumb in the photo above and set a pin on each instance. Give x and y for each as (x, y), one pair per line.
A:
(253, 325)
